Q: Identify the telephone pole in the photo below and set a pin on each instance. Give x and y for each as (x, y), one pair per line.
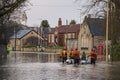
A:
(80, 21)
(107, 21)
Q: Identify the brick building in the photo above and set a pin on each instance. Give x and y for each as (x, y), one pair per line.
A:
(64, 35)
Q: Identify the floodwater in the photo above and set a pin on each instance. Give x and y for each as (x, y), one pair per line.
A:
(40, 66)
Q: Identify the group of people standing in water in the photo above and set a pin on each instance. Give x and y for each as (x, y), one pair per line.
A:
(74, 56)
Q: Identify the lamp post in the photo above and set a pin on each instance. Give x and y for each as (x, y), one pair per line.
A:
(38, 38)
(56, 37)
(66, 45)
(15, 38)
(41, 32)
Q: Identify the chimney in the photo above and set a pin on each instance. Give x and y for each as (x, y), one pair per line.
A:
(59, 22)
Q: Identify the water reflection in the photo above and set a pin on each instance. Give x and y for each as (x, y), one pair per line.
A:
(113, 72)
(34, 57)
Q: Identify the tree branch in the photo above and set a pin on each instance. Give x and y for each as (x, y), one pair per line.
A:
(11, 7)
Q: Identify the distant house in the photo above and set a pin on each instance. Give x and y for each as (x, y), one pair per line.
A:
(25, 38)
(92, 34)
(64, 35)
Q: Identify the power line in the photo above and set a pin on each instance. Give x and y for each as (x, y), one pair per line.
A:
(54, 6)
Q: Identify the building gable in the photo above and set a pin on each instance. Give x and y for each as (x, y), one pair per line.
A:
(85, 37)
(30, 34)
(91, 33)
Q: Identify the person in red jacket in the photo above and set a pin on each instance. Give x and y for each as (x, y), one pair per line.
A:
(76, 56)
(93, 56)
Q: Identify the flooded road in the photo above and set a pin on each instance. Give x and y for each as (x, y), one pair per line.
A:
(38, 66)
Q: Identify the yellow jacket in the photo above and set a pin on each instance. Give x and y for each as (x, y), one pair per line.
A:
(63, 53)
(8, 48)
(71, 54)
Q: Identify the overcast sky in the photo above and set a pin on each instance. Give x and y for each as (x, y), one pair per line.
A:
(52, 10)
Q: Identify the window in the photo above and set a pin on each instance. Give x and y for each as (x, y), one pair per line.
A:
(85, 41)
(73, 35)
(52, 38)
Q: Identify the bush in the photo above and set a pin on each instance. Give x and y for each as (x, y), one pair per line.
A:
(29, 46)
(115, 52)
(57, 47)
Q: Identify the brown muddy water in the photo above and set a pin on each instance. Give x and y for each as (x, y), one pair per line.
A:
(47, 66)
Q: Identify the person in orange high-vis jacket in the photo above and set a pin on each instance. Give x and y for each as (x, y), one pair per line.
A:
(63, 55)
(93, 56)
(76, 56)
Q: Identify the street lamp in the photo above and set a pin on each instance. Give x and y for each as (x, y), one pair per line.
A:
(66, 37)
(38, 30)
(41, 32)
(15, 36)
(56, 33)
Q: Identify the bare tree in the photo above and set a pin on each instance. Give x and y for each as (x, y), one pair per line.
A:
(8, 6)
(114, 16)
(6, 9)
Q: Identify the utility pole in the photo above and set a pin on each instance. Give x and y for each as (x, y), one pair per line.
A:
(38, 38)
(107, 21)
(66, 37)
(80, 21)
(15, 38)
(41, 31)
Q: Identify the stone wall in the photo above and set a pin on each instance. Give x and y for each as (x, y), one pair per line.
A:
(53, 50)
(50, 50)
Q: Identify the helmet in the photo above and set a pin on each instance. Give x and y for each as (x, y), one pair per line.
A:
(93, 49)
(71, 49)
(76, 48)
